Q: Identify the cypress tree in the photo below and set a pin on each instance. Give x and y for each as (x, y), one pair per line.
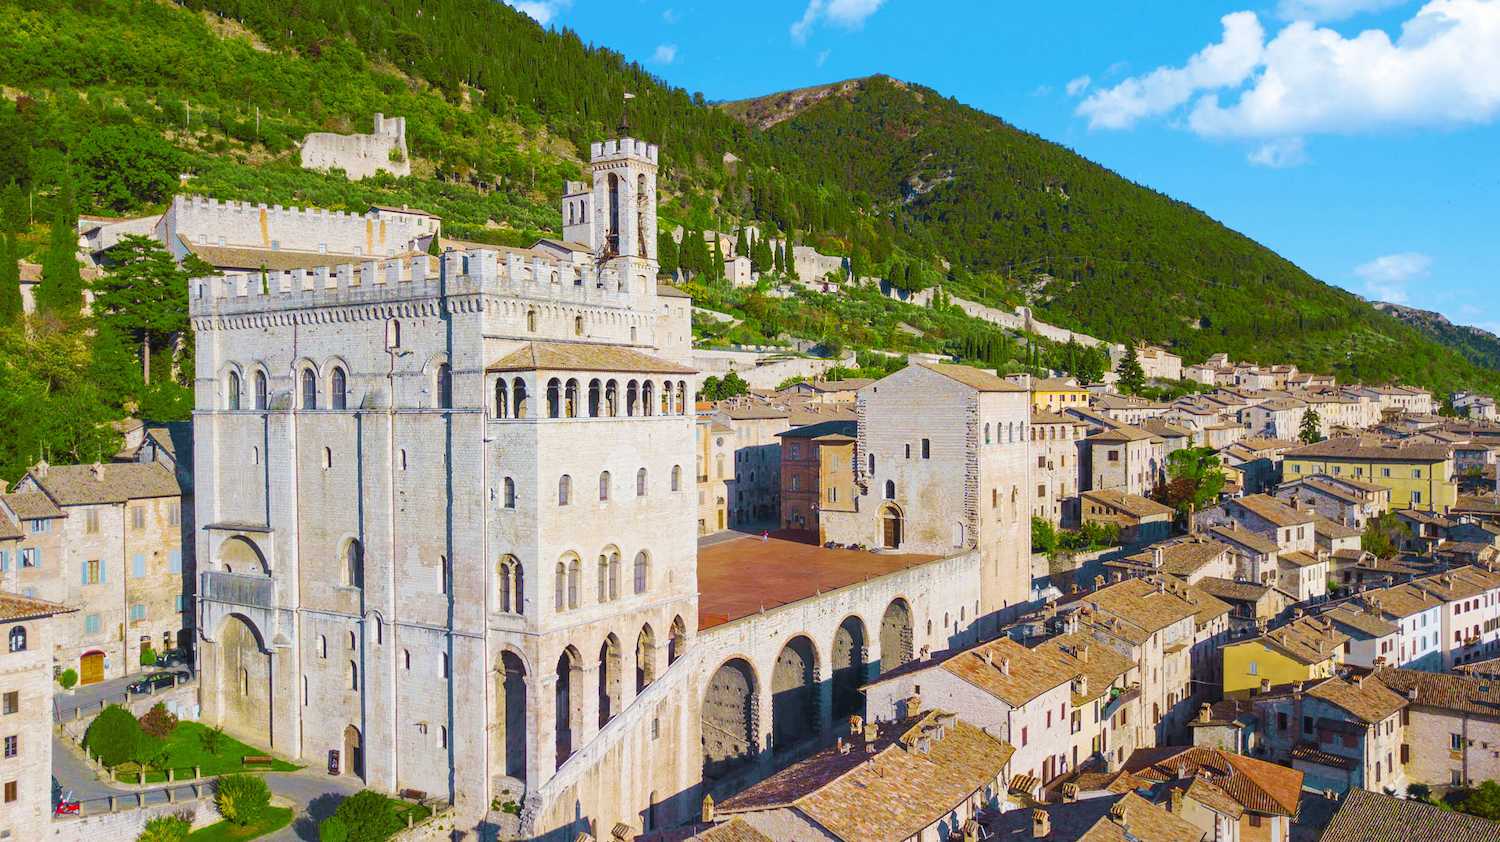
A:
(741, 247)
(10, 280)
(61, 290)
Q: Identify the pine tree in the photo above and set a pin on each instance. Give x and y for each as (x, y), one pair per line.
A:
(779, 253)
(61, 289)
(1311, 431)
(15, 216)
(144, 295)
(741, 246)
(10, 280)
(1132, 376)
(716, 268)
(666, 252)
(788, 257)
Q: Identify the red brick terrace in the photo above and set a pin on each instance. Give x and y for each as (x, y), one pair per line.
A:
(738, 577)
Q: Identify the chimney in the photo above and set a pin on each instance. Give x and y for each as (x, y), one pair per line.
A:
(1156, 557)
(1205, 712)
(843, 747)
(708, 809)
(98, 471)
(1411, 693)
(871, 732)
(1041, 824)
(622, 832)
(1069, 793)
(1359, 681)
(1117, 812)
(1005, 666)
(913, 706)
(971, 830)
(1177, 801)
(856, 725)
(40, 469)
(1098, 580)
(1083, 653)
(1265, 685)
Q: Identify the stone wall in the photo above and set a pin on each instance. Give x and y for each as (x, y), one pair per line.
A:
(127, 824)
(360, 155)
(763, 370)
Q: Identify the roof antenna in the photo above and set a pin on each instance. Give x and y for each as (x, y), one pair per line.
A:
(625, 114)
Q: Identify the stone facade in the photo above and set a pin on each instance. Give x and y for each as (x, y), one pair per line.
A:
(360, 155)
(26, 687)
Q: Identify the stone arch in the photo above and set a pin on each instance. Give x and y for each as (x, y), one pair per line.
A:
(850, 652)
(610, 685)
(676, 640)
(239, 554)
(892, 526)
(354, 753)
(794, 694)
(730, 719)
(510, 714)
(895, 635)
(567, 702)
(242, 678)
(645, 658)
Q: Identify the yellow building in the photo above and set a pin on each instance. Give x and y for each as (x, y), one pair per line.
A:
(1302, 650)
(1419, 476)
(1055, 394)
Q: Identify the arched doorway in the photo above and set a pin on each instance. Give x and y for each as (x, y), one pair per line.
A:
(239, 554)
(609, 680)
(729, 719)
(848, 659)
(794, 694)
(566, 717)
(645, 658)
(243, 679)
(354, 753)
(91, 667)
(895, 635)
(676, 640)
(891, 527)
(511, 721)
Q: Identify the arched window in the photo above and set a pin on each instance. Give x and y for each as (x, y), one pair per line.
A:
(234, 390)
(575, 570)
(337, 389)
(682, 397)
(519, 401)
(666, 398)
(872, 463)
(354, 565)
(353, 641)
(611, 399)
(510, 493)
(676, 477)
(260, 390)
(602, 580)
(564, 490)
(570, 399)
(445, 386)
(614, 574)
(632, 389)
(594, 397)
(986, 432)
(502, 398)
(604, 485)
(353, 676)
(890, 489)
(647, 408)
(18, 639)
(559, 587)
(309, 389)
(554, 398)
(642, 571)
(531, 321)
(640, 483)
(327, 458)
(577, 325)
(322, 646)
(393, 333)
(512, 589)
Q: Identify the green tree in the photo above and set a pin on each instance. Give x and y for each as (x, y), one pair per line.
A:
(333, 829)
(10, 280)
(716, 268)
(1132, 376)
(1043, 536)
(1310, 432)
(1483, 801)
(60, 292)
(114, 736)
(368, 817)
(144, 295)
(1381, 536)
(241, 799)
(780, 259)
(15, 214)
(121, 168)
(1195, 479)
(741, 245)
(666, 252)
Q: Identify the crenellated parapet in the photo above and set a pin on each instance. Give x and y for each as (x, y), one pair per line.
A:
(456, 273)
(206, 221)
(622, 148)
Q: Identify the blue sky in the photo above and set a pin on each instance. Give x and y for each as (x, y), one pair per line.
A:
(1358, 138)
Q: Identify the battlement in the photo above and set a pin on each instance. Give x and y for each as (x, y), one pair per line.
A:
(201, 220)
(625, 147)
(407, 279)
(393, 126)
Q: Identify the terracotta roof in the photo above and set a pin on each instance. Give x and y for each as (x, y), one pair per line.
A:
(1370, 701)
(1009, 671)
(1182, 558)
(1042, 416)
(277, 260)
(1140, 604)
(852, 384)
(583, 356)
(566, 245)
(1123, 818)
(1298, 558)
(1357, 449)
(1270, 509)
(1458, 583)
(1099, 664)
(1352, 616)
(1333, 530)
(1229, 589)
(1131, 504)
(754, 412)
(974, 378)
(892, 792)
(1214, 797)
(1310, 753)
(1256, 785)
(1209, 606)
(31, 505)
(16, 607)
(823, 428)
(1309, 640)
(1056, 384)
(1122, 433)
(1478, 694)
(110, 482)
(1245, 537)
(1166, 429)
(1402, 600)
(1365, 816)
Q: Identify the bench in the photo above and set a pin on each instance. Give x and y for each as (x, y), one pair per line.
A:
(413, 795)
(257, 760)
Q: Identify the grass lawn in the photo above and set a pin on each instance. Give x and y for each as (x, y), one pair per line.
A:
(185, 750)
(275, 818)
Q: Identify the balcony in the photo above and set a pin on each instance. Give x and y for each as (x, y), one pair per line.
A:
(1119, 698)
(238, 589)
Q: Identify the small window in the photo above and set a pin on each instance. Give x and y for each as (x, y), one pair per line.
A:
(603, 486)
(510, 493)
(338, 390)
(926, 449)
(18, 639)
(640, 483)
(564, 490)
(309, 389)
(234, 390)
(445, 386)
(260, 390)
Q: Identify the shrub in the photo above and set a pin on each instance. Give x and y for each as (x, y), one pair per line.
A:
(332, 829)
(158, 721)
(68, 678)
(166, 829)
(368, 816)
(148, 657)
(211, 739)
(114, 736)
(241, 799)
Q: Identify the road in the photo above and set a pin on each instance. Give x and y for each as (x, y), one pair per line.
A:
(88, 696)
(72, 774)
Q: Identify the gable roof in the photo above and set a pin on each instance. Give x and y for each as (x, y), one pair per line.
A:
(1131, 504)
(1350, 447)
(1246, 538)
(1271, 510)
(31, 505)
(1306, 639)
(15, 607)
(1256, 785)
(1476, 694)
(1120, 818)
(1099, 664)
(1367, 700)
(1009, 671)
(1182, 558)
(583, 356)
(1145, 603)
(110, 482)
(836, 427)
(1364, 816)
(974, 378)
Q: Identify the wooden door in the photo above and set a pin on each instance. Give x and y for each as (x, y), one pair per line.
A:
(91, 668)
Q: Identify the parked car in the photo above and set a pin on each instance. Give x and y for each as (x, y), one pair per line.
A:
(154, 681)
(174, 658)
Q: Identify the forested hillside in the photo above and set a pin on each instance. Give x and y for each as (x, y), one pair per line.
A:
(111, 106)
(1479, 346)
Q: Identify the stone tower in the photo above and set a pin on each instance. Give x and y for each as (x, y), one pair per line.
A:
(624, 203)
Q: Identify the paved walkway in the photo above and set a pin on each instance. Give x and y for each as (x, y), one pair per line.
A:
(72, 774)
(316, 794)
(88, 696)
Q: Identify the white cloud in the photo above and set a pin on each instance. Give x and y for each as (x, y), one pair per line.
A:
(1280, 154)
(670, 16)
(1331, 9)
(542, 11)
(1078, 85)
(849, 14)
(665, 54)
(822, 58)
(1386, 277)
(1227, 63)
(1442, 70)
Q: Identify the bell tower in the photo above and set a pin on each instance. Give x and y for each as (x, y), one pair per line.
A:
(624, 204)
